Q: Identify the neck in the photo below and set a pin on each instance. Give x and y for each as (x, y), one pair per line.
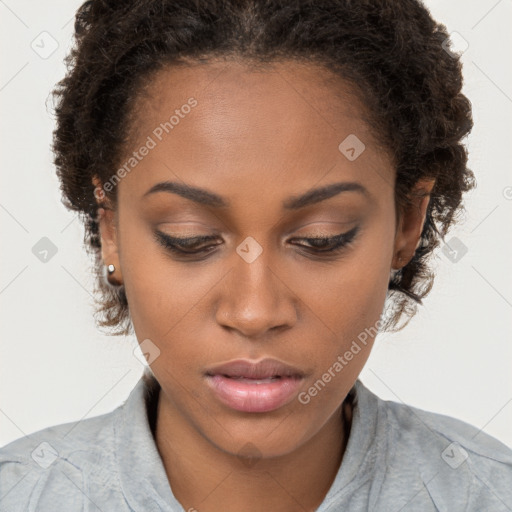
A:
(203, 477)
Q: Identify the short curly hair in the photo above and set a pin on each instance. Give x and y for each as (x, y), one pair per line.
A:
(396, 57)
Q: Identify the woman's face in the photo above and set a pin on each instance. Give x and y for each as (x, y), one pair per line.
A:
(257, 141)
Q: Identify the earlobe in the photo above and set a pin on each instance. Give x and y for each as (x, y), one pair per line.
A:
(108, 237)
(109, 247)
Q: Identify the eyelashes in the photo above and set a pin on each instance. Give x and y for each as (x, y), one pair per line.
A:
(195, 246)
(184, 246)
(330, 244)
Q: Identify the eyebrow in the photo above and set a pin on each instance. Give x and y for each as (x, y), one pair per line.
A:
(208, 198)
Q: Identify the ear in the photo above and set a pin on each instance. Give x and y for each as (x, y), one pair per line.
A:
(410, 224)
(108, 233)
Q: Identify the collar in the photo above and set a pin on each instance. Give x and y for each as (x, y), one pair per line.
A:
(359, 460)
(141, 471)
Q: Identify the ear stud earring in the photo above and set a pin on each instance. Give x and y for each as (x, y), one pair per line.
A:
(115, 281)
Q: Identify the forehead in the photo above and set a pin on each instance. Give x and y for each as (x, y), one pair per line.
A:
(284, 119)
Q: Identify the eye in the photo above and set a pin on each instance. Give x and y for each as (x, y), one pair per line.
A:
(198, 245)
(185, 246)
(333, 244)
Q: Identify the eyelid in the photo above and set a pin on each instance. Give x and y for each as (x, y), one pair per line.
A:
(340, 241)
(340, 228)
(198, 239)
(336, 244)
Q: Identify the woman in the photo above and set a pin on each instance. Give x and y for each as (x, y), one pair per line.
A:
(256, 179)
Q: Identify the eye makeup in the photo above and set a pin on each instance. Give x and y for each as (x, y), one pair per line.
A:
(194, 246)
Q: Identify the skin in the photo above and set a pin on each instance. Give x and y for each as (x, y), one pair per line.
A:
(255, 138)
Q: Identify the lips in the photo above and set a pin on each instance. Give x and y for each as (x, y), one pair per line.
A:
(254, 387)
(265, 369)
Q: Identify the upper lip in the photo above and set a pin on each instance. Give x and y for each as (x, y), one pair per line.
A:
(255, 370)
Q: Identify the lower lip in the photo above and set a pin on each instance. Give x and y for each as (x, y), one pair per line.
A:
(249, 395)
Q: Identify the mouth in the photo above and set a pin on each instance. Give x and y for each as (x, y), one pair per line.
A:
(254, 387)
(264, 369)
(250, 380)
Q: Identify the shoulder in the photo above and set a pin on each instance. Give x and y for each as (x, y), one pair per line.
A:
(61, 460)
(456, 463)
(426, 431)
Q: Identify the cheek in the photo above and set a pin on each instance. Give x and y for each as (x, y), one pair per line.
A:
(168, 300)
(348, 295)
(152, 291)
(346, 303)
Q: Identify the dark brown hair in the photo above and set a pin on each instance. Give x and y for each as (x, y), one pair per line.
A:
(393, 53)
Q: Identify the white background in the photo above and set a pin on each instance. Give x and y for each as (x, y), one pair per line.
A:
(454, 357)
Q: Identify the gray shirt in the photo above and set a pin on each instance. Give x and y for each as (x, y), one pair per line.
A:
(398, 458)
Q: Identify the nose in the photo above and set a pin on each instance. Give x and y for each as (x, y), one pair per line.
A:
(255, 299)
